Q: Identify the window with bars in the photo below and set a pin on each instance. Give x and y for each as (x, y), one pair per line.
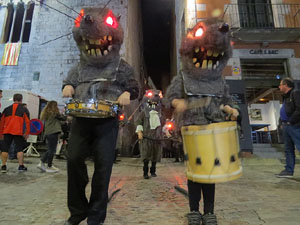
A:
(18, 21)
(255, 13)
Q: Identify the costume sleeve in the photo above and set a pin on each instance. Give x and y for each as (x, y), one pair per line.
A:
(72, 78)
(295, 117)
(174, 91)
(140, 121)
(127, 80)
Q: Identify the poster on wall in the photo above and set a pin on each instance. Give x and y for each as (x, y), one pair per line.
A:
(255, 114)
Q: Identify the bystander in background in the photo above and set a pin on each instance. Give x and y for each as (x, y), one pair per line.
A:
(52, 129)
(12, 129)
(290, 122)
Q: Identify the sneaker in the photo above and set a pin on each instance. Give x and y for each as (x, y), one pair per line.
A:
(52, 169)
(284, 173)
(209, 219)
(22, 168)
(4, 169)
(194, 218)
(41, 166)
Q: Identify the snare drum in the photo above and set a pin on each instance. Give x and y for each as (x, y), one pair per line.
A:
(211, 152)
(92, 108)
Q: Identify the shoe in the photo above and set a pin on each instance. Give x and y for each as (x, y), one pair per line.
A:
(153, 175)
(209, 219)
(146, 176)
(52, 169)
(194, 218)
(4, 169)
(284, 173)
(41, 166)
(22, 168)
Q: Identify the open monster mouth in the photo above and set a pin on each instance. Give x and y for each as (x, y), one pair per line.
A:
(151, 104)
(98, 47)
(207, 58)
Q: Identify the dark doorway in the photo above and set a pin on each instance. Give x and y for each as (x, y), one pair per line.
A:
(157, 35)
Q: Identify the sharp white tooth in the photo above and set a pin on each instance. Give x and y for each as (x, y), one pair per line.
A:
(215, 67)
(216, 53)
(105, 52)
(217, 63)
(98, 52)
(194, 60)
(204, 64)
(197, 65)
(89, 52)
(209, 52)
(93, 52)
(92, 42)
(105, 38)
(209, 65)
(110, 48)
(197, 50)
(87, 47)
(109, 38)
(98, 42)
(222, 53)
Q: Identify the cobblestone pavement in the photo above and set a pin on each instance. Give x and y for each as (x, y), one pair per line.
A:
(35, 198)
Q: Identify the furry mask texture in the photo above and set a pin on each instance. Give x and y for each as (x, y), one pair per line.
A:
(152, 100)
(206, 49)
(98, 35)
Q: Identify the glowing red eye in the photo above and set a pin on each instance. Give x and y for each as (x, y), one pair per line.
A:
(149, 94)
(79, 18)
(199, 32)
(109, 21)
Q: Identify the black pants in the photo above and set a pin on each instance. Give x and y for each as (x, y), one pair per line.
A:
(208, 191)
(52, 144)
(97, 138)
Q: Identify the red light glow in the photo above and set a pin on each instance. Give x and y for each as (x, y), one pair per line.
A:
(170, 125)
(122, 117)
(111, 20)
(149, 94)
(199, 32)
(79, 18)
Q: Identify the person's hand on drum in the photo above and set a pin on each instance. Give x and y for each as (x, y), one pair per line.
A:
(140, 135)
(180, 105)
(124, 98)
(232, 112)
(68, 91)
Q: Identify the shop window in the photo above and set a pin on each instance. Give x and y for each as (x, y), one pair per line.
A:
(18, 22)
(255, 13)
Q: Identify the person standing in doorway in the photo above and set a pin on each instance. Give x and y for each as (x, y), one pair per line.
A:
(290, 121)
(12, 128)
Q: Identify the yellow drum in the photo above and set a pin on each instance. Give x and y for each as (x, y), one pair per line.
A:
(211, 152)
(91, 108)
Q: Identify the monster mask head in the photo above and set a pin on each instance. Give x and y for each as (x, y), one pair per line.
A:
(206, 49)
(152, 100)
(98, 35)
